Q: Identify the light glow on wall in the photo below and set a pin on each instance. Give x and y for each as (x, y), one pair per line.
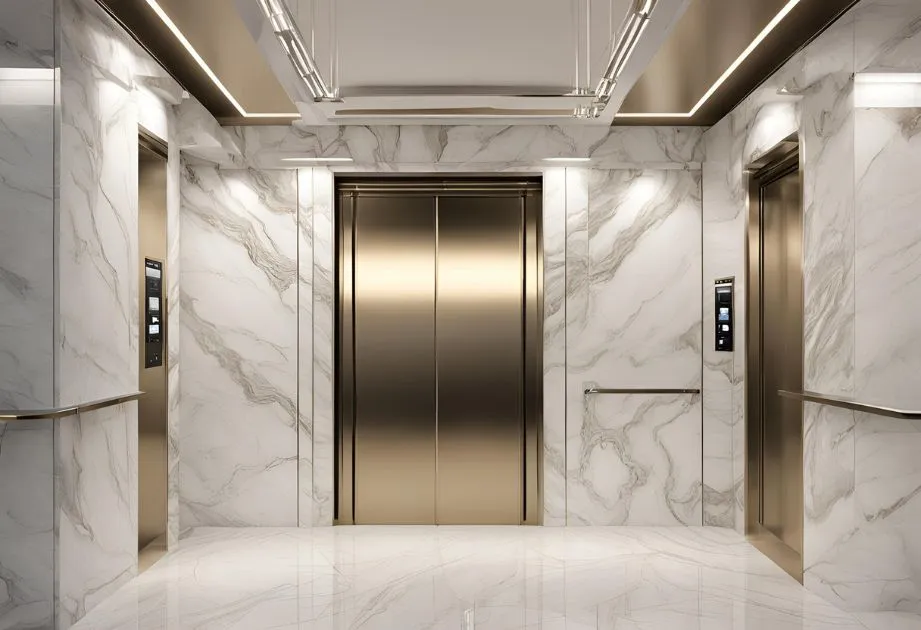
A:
(887, 89)
(27, 86)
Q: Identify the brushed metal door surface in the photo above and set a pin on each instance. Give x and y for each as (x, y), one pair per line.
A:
(394, 360)
(782, 359)
(480, 358)
(152, 406)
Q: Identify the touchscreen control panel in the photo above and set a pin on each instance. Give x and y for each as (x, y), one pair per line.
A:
(724, 314)
(153, 310)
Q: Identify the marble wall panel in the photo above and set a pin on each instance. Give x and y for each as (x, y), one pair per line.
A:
(27, 525)
(723, 229)
(96, 508)
(239, 300)
(554, 360)
(634, 320)
(888, 256)
(97, 285)
(27, 205)
(881, 564)
(829, 313)
(27, 242)
(324, 300)
(305, 437)
(27, 31)
(174, 345)
(492, 147)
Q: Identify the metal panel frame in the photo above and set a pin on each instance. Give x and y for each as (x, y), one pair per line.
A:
(780, 160)
(529, 189)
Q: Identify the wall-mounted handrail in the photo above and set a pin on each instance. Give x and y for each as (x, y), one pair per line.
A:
(638, 390)
(70, 410)
(853, 405)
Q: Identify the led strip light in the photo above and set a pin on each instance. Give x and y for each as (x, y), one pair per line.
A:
(729, 71)
(207, 69)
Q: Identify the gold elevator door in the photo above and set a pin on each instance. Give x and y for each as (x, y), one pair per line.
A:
(438, 301)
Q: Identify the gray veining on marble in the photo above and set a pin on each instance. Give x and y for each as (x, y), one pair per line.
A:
(239, 301)
(27, 242)
(97, 283)
(27, 525)
(305, 432)
(323, 341)
(554, 359)
(723, 229)
(633, 320)
(96, 508)
(174, 336)
(27, 33)
(465, 146)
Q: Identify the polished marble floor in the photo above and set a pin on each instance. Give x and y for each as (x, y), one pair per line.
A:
(470, 578)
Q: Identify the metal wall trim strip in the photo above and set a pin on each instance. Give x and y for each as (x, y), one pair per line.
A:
(638, 390)
(70, 410)
(853, 405)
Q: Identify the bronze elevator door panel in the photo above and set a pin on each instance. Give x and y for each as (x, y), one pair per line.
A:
(394, 361)
(152, 406)
(480, 346)
(782, 359)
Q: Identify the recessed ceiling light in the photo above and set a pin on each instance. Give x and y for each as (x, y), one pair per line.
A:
(204, 66)
(317, 159)
(567, 159)
(731, 69)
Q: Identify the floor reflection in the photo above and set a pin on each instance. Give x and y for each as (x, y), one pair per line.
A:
(472, 578)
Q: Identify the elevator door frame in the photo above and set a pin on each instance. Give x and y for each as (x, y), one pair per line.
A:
(782, 160)
(529, 189)
(153, 473)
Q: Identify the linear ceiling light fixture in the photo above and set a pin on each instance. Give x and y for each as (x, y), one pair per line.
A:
(291, 39)
(625, 42)
(204, 65)
(784, 12)
(567, 159)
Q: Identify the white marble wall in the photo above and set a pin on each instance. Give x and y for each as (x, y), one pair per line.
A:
(174, 337)
(103, 102)
(321, 395)
(239, 298)
(27, 205)
(472, 148)
(633, 315)
(666, 153)
(97, 283)
(556, 182)
(27, 314)
(27, 525)
(96, 508)
(861, 547)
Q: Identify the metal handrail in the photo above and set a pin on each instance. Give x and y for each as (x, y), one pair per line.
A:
(70, 410)
(638, 390)
(853, 405)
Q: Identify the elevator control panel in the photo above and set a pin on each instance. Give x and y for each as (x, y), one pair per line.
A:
(724, 314)
(153, 311)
